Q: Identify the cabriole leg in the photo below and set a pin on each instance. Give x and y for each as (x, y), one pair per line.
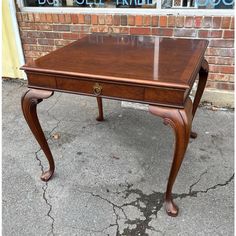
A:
(29, 103)
(100, 109)
(180, 120)
(203, 74)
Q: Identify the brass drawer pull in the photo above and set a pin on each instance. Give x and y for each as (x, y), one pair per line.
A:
(97, 89)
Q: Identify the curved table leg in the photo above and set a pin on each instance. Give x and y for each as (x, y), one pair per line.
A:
(29, 103)
(180, 120)
(100, 109)
(203, 74)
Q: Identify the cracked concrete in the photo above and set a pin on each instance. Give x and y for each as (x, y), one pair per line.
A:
(110, 177)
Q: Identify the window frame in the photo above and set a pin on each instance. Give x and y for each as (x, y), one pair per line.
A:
(128, 11)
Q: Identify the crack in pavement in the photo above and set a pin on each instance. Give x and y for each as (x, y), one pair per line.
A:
(45, 186)
(149, 205)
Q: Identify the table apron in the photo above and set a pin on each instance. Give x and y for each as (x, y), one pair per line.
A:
(148, 94)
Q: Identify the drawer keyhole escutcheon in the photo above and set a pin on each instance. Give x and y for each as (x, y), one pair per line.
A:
(97, 89)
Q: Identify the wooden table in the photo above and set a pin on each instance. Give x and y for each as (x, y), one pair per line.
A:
(151, 70)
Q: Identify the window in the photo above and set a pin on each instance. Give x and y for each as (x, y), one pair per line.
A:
(139, 4)
(199, 4)
(92, 3)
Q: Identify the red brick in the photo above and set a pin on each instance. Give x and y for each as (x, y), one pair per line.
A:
(109, 20)
(25, 17)
(163, 21)
(229, 34)
(81, 19)
(52, 35)
(138, 20)
(198, 21)
(188, 23)
(226, 52)
(123, 20)
(26, 47)
(70, 36)
(27, 26)
(225, 22)
(222, 43)
(67, 18)
(216, 23)
(61, 27)
(55, 18)
(232, 23)
(131, 20)
(44, 27)
(116, 19)
(140, 31)
(224, 60)
(207, 22)
(62, 42)
(120, 30)
(35, 34)
(171, 21)
(46, 41)
(61, 18)
(31, 17)
(87, 19)
(185, 33)
(155, 20)
(29, 40)
(80, 28)
(43, 18)
(224, 78)
(34, 54)
(19, 16)
(49, 18)
(101, 19)
(179, 21)
(29, 60)
(100, 28)
(146, 20)
(45, 48)
(214, 68)
(210, 33)
(94, 19)
(227, 69)
(37, 17)
(203, 33)
(220, 85)
(162, 32)
(74, 19)
(216, 33)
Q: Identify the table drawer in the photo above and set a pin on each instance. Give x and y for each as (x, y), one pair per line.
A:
(101, 88)
(173, 97)
(39, 80)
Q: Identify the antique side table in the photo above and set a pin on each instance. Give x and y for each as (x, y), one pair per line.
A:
(156, 71)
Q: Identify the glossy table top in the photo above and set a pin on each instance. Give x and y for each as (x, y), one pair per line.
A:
(139, 59)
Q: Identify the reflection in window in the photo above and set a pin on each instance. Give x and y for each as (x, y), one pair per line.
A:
(92, 3)
(198, 4)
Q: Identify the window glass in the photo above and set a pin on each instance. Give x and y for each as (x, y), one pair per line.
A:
(187, 4)
(92, 3)
(198, 4)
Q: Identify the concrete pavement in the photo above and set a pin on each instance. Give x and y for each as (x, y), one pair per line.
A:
(110, 176)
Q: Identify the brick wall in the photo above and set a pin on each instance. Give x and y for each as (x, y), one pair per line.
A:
(42, 33)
